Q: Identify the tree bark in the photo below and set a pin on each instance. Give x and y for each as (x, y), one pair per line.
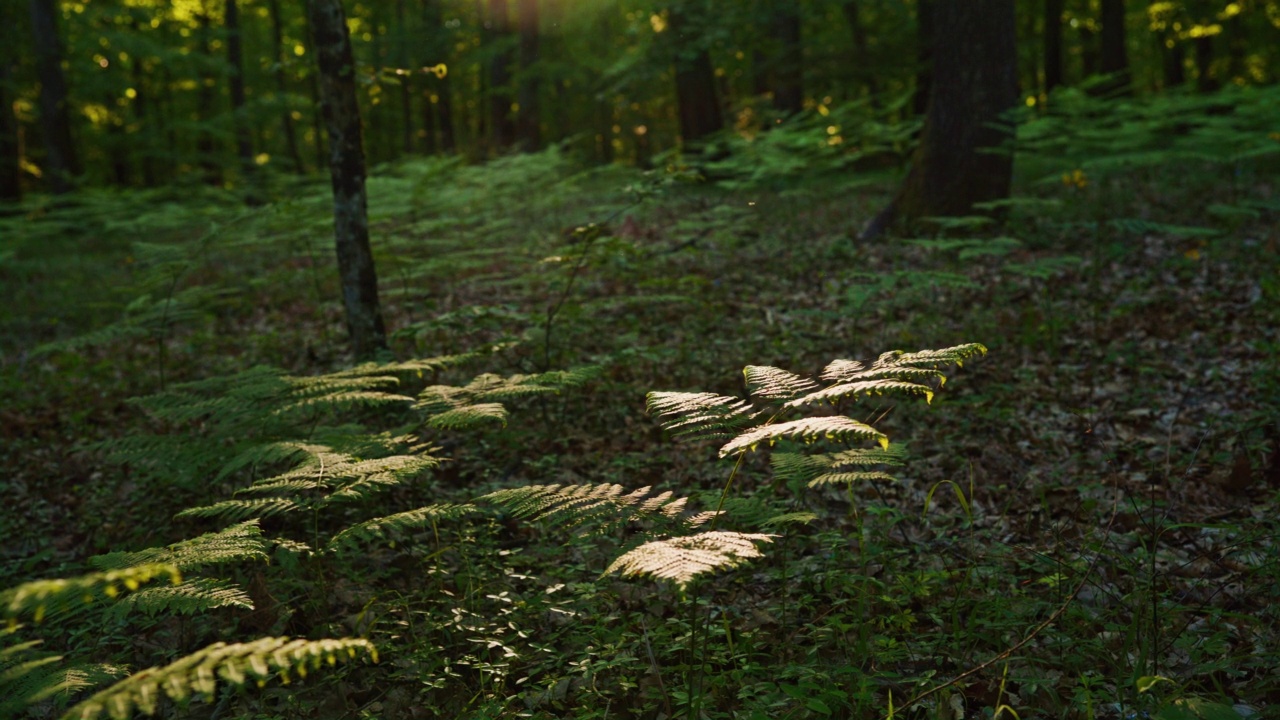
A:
(347, 170)
(10, 150)
(974, 84)
(788, 61)
(925, 39)
(62, 164)
(1053, 10)
(1115, 57)
(529, 119)
(698, 105)
(282, 86)
(1205, 82)
(501, 124)
(438, 49)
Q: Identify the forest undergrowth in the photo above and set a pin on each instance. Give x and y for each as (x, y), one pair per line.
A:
(1083, 524)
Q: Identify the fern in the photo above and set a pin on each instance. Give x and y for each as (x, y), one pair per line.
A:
(479, 402)
(574, 505)
(238, 542)
(41, 598)
(836, 427)
(682, 559)
(398, 524)
(198, 673)
(188, 597)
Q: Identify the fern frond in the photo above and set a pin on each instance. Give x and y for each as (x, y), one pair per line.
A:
(243, 509)
(796, 467)
(186, 598)
(682, 559)
(931, 358)
(833, 427)
(198, 673)
(775, 383)
(238, 542)
(398, 524)
(699, 414)
(792, 518)
(27, 675)
(469, 416)
(573, 505)
(849, 478)
(854, 389)
(43, 597)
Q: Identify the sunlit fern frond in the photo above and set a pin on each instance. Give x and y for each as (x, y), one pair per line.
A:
(239, 542)
(855, 389)
(490, 388)
(397, 525)
(931, 358)
(774, 383)
(574, 505)
(325, 476)
(778, 522)
(469, 416)
(244, 509)
(849, 478)
(797, 467)
(700, 414)
(831, 427)
(417, 367)
(198, 674)
(186, 598)
(682, 559)
(43, 598)
(847, 373)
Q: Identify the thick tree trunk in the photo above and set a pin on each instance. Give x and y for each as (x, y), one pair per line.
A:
(235, 85)
(975, 82)
(62, 164)
(282, 86)
(529, 119)
(1053, 10)
(696, 100)
(10, 150)
(1115, 57)
(925, 39)
(788, 61)
(501, 124)
(347, 170)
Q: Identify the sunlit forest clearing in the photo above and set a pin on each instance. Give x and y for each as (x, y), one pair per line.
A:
(658, 359)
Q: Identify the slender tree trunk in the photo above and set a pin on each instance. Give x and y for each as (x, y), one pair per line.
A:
(347, 170)
(861, 48)
(925, 39)
(699, 108)
(1088, 51)
(1115, 57)
(405, 73)
(143, 129)
(206, 146)
(1205, 82)
(501, 125)
(313, 87)
(788, 62)
(1173, 59)
(433, 17)
(235, 86)
(975, 81)
(10, 150)
(1053, 10)
(62, 164)
(529, 119)
(282, 86)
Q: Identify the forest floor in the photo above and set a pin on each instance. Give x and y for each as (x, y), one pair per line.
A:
(1110, 465)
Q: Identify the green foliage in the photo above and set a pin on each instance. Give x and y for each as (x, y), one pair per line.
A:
(236, 664)
(683, 559)
(574, 505)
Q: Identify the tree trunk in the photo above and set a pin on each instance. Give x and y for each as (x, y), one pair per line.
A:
(405, 73)
(699, 108)
(62, 165)
(10, 151)
(925, 39)
(141, 111)
(529, 119)
(282, 86)
(438, 47)
(1173, 59)
(975, 81)
(1053, 10)
(501, 124)
(1115, 58)
(235, 85)
(1205, 82)
(347, 170)
(1088, 51)
(788, 62)
(861, 48)
(206, 146)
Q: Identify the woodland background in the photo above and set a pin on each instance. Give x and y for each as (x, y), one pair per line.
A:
(215, 489)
